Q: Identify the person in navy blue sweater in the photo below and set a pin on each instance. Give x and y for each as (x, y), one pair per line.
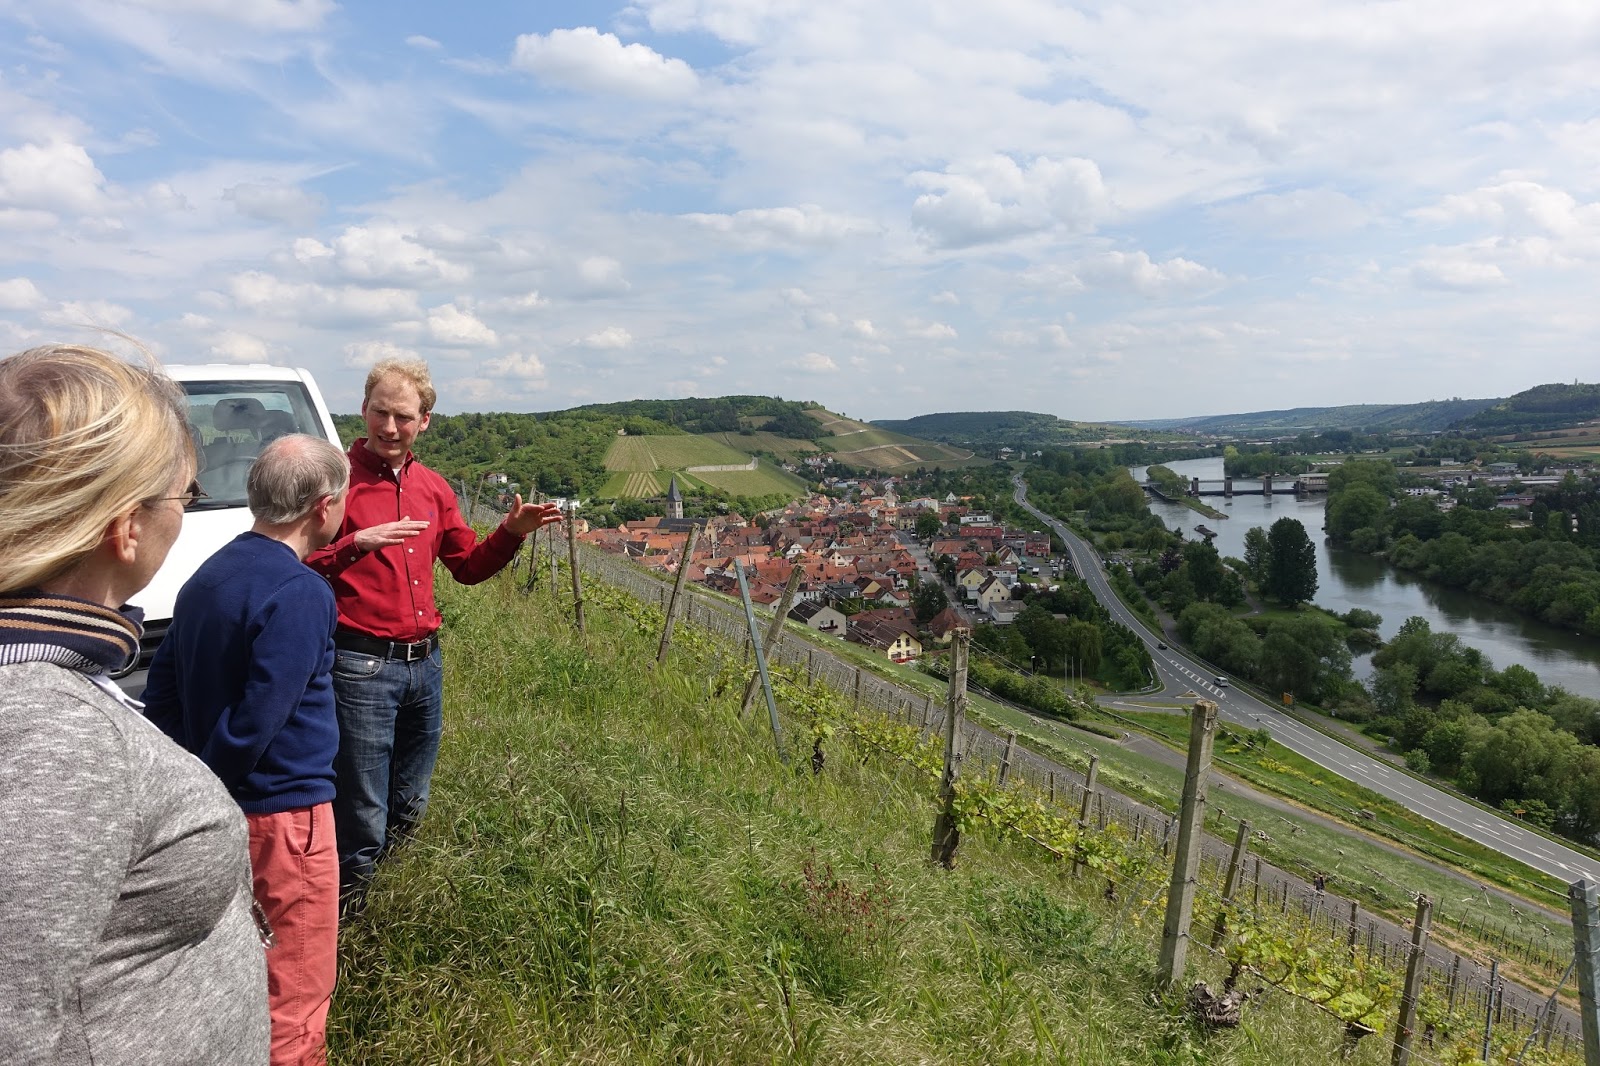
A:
(243, 680)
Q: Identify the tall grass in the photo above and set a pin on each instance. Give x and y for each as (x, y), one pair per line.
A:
(615, 869)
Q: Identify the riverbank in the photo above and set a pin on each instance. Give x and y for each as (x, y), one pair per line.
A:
(1349, 580)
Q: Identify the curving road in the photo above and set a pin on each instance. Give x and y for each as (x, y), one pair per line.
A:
(1177, 673)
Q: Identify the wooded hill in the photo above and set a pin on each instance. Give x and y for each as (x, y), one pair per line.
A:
(1416, 417)
(991, 430)
(1541, 407)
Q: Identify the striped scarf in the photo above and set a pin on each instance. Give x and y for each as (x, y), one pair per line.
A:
(37, 627)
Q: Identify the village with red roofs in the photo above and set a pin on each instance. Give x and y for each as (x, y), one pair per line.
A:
(859, 558)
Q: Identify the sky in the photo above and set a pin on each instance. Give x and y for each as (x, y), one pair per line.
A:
(1099, 210)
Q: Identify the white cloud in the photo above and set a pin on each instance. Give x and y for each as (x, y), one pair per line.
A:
(232, 347)
(523, 304)
(995, 199)
(863, 328)
(265, 294)
(20, 294)
(930, 331)
(946, 298)
(100, 313)
(1136, 271)
(522, 366)
(612, 337)
(1299, 213)
(590, 61)
(275, 202)
(1456, 275)
(427, 44)
(763, 227)
(600, 275)
(381, 252)
(50, 177)
(363, 355)
(814, 363)
(451, 326)
(276, 15)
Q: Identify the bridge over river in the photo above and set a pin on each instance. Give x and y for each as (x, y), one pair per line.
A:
(1267, 485)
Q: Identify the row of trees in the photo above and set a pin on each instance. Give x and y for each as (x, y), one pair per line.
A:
(1500, 735)
(1548, 567)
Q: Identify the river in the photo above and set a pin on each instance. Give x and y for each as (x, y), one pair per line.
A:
(1347, 579)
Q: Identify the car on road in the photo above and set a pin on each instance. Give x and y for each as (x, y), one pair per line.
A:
(1220, 681)
(234, 411)
(1161, 645)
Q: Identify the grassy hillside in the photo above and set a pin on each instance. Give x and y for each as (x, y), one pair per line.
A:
(670, 453)
(615, 869)
(863, 445)
(787, 449)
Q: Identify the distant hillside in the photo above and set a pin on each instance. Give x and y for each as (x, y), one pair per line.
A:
(633, 448)
(1417, 417)
(871, 447)
(1541, 407)
(717, 414)
(990, 430)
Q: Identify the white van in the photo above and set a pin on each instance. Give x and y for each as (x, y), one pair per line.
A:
(233, 411)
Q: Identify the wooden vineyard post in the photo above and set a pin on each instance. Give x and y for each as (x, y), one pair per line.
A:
(855, 702)
(1005, 760)
(1488, 1009)
(946, 837)
(1355, 913)
(1089, 779)
(1230, 884)
(572, 563)
(1416, 968)
(1186, 863)
(677, 593)
(533, 562)
(1584, 895)
(774, 630)
(550, 535)
(761, 658)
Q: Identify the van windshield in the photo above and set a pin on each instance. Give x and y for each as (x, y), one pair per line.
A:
(231, 421)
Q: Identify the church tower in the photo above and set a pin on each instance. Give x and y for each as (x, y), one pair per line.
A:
(674, 500)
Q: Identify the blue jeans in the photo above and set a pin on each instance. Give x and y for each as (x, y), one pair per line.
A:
(391, 714)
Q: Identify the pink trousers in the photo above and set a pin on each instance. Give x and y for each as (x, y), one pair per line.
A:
(296, 866)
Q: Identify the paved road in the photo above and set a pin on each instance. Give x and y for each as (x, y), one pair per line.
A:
(1178, 673)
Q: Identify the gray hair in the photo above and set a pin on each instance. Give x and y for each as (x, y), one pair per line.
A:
(291, 474)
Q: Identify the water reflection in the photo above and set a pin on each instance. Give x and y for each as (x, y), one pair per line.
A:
(1349, 579)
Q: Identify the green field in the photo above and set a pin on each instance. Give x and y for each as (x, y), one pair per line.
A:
(787, 448)
(763, 481)
(670, 452)
(640, 483)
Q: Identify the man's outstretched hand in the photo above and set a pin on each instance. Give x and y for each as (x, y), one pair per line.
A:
(525, 518)
(374, 537)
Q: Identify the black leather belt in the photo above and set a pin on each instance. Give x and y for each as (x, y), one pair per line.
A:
(386, 649)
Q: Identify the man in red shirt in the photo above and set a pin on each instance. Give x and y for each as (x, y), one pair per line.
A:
(387, 673)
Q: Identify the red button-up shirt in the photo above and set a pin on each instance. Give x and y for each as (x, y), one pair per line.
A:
(388, 593)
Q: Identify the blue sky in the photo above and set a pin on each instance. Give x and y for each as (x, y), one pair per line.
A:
(1099, 210)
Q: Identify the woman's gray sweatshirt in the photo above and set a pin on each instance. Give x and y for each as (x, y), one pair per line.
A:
(126, 934)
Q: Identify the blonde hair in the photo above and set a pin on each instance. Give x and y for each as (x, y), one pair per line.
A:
(412, 371)
(84, 437)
